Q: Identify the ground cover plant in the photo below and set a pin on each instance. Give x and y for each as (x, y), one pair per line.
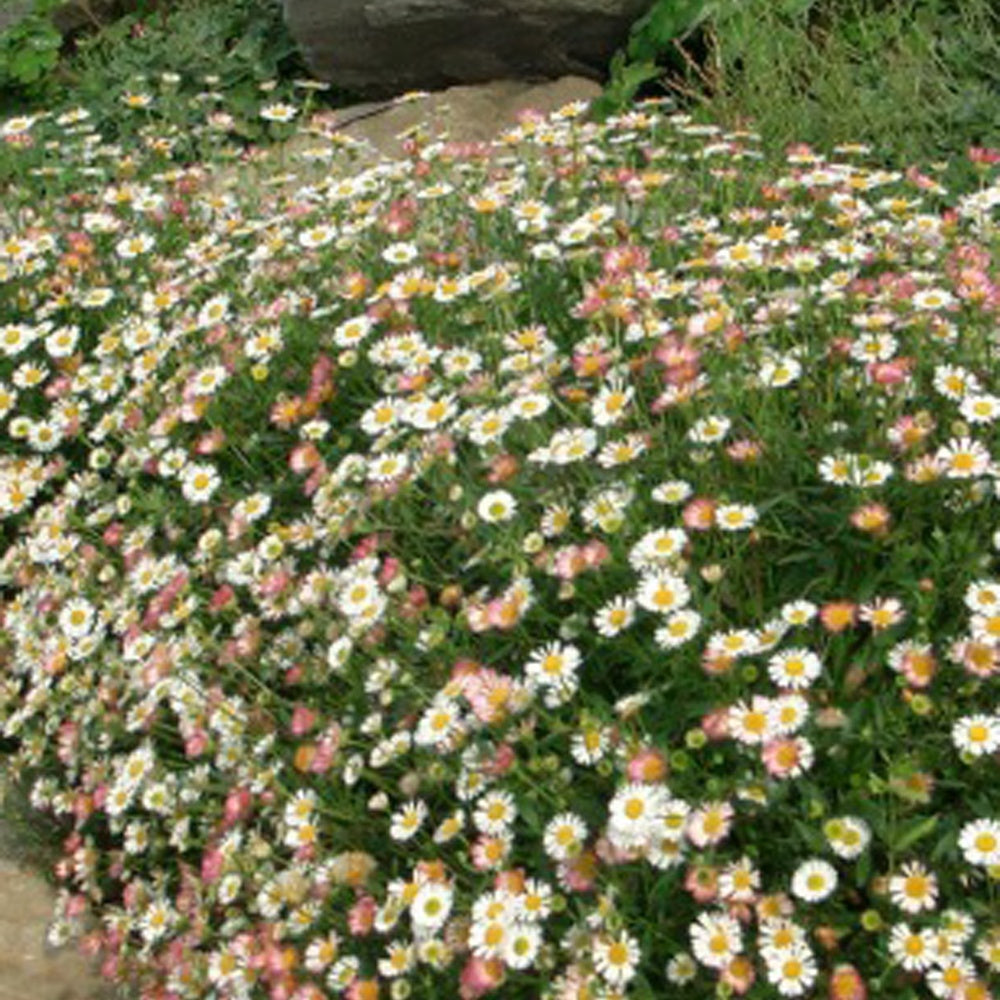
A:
(565, 569)
(916, 79)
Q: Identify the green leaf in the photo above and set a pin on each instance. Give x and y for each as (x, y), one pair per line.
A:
(794, 8)
(669, 19)
(811, 837)
(913, 831)
(863, 869)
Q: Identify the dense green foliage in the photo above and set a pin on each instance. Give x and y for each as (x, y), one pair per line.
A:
(229, 45)
(918, 79)
(29, 48)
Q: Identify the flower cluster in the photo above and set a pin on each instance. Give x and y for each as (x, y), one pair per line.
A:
(560, 567)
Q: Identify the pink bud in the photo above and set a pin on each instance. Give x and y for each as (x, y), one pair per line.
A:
(303, 719)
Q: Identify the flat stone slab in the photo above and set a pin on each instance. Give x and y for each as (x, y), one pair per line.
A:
(472, 113)
(476, 113)
(29, 968)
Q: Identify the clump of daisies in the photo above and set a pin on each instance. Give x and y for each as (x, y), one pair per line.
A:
(559, 567)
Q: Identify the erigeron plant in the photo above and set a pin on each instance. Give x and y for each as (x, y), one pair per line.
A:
(565, 568)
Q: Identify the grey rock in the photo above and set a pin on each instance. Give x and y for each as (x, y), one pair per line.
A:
(379, 48)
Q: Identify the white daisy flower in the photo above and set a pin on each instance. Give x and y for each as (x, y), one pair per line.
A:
(62, 342)
(709, 430)
(564, 836)
(681, 969)
(616, 958)
(279, 112)
(677, 629)
(848, 836)
(616, 616)
(977, 735)
(388, 466)
(133, 246)
(980, 842)
(214, 311)
(955, 382)
(496, 506)
(963, 458)
(716, 939)
(199, 482)
(751, 724)
(76, 618)
(495, 812)
(794, 972)
(522, 945)
(489, 938)
(657, 548)
(981, 408)
(778, 936)
(983, 596)
(913, 950)
(610, 404)
(776, 373)
(487, 426)
(913, 888)
(946, 979)
(427, 414)
(789, 713)
(932, 298)
(735, 517)
(529, 406)
(408, 820)
(814, 880)
(317, 236)
(662, 592)
(673, 492)
(351, 332)
(794, 668)
(399, 253)
(635, 814)
(431, 908)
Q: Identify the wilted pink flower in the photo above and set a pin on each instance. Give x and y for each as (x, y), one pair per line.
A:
(786, 758)
(647, 765)
(488, 693)
(715, 724)
(212, 862)
(239, 803)
(326, 750)
(846, 984)
(981, 659)
(361, 916)
(739, 974)
(699, 514)
(872, 518)
(303, 719)
(702, 881)
(479, 976)
(211, 442)
(304, 457)
(501, 762)
(891, 372)
(222, 597)
(983, 155)
(579, 874)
